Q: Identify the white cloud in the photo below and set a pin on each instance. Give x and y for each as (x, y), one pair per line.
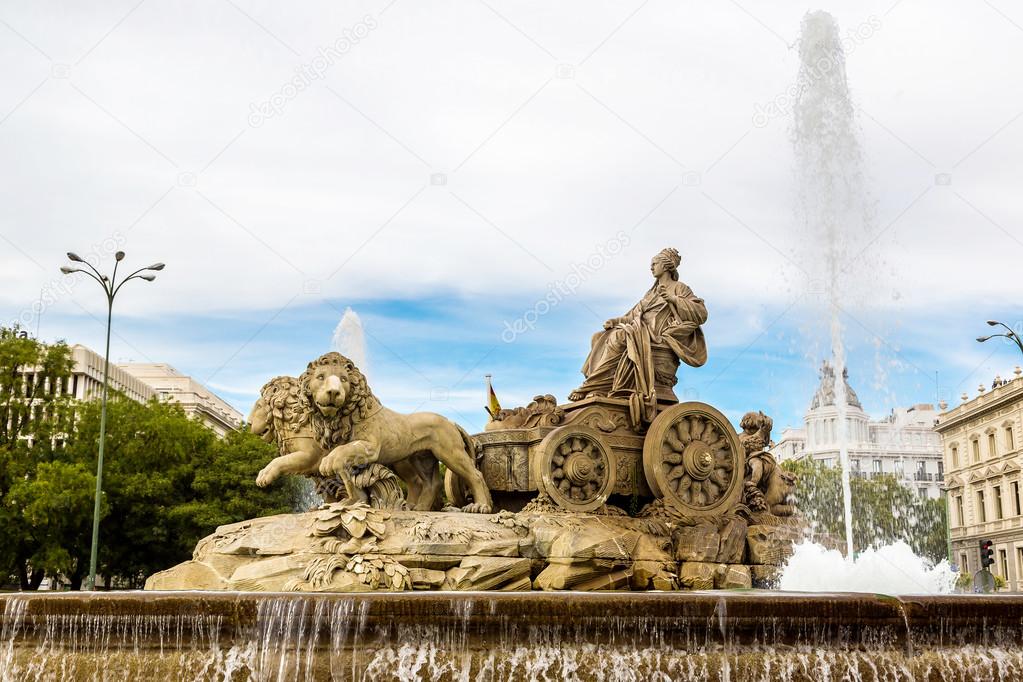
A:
(537, 168)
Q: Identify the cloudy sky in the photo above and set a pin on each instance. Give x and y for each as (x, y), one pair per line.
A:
(437, 167)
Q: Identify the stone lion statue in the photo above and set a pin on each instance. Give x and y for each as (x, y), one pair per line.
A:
(356, 431)
(283, 416)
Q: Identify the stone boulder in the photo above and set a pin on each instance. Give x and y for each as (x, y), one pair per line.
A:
(771, 545)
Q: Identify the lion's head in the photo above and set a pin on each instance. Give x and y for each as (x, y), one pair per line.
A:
(780, 494)
(337, 390)
(260, 422)
(281, 410)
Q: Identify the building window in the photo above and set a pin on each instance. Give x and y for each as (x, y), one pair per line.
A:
(976, 450)
(877, 466)
(1015, 497)
(981, 511)
(998, 501)
(964, 563)
(1003, 563)
(959, 510)
(1010, 441)
(992, 451)
(922, 492)
(955, 457)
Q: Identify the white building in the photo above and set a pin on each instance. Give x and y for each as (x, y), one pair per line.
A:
(983, 458)
(86, 379)
(197, 400)
(140, 382)
(904, 443)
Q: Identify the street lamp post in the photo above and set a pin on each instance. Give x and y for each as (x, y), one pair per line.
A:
(1008, 334)
(110, 287)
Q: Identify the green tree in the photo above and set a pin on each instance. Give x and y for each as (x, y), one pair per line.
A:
(55, 504)
(169, 482)
(225, 485)
(35, 417)
(29, 374)
(883, 510)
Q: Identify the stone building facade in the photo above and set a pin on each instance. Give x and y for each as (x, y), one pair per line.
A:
(903, 444)
(139, 382)
(981, 445)
(198, 401)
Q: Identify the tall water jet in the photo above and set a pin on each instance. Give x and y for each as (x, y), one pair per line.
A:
(832, 201)
(350, 339)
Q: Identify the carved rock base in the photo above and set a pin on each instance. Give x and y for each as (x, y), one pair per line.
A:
(357, 549)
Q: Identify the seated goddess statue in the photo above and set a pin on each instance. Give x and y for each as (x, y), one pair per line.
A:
(638, 353)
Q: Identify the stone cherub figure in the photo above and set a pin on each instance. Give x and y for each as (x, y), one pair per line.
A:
(542, 411)
(624, 360)
(768, 487)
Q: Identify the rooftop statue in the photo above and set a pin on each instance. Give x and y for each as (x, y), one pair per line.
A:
(636, 355)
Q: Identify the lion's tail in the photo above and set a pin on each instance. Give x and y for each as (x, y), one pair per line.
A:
(471, 445)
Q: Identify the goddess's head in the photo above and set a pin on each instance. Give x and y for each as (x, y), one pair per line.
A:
(666, 261)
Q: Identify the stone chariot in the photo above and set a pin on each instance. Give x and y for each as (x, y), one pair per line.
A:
(624, 432)
(583, 454)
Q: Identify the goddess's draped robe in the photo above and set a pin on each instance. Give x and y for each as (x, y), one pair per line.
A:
(621, 363)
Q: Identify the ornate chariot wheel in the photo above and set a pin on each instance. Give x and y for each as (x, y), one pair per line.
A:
(693, 460)
(576, 468)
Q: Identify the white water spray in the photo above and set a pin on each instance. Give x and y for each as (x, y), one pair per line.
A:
(350, 339)
(892, 569)
(832, 198)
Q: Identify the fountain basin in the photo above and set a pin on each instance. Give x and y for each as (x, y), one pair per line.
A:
(745, 635)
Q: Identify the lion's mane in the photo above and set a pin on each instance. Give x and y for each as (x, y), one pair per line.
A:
(359, 403)
(289, 410)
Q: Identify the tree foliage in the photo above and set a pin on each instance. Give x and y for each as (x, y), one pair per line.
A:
(35, 528)
(883, 510)
(168, 481)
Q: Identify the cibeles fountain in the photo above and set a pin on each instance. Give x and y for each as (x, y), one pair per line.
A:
(619, 534)
(615, 536)
(620, 488)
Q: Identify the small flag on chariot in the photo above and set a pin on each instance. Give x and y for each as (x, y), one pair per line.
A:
(493, 405)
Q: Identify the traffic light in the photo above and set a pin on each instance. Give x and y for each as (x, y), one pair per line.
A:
(987, 553)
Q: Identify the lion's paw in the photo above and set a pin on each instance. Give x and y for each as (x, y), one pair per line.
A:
(266, 476)
(328, 465)
(477, 508)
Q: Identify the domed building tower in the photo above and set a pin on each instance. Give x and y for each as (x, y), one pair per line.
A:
(822, 418)
(903, 444)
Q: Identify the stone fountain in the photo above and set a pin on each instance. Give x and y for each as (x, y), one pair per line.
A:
(537, 501)
(611, 537)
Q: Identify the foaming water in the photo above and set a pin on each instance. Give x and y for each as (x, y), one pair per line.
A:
(571, 636)
(892, 569)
